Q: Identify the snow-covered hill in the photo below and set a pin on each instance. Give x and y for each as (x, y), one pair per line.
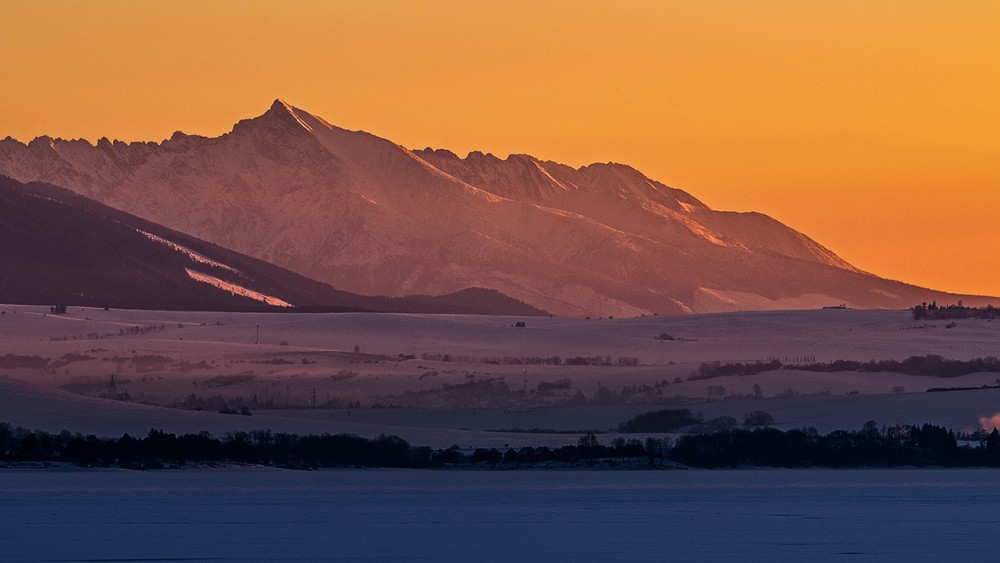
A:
(370, 216)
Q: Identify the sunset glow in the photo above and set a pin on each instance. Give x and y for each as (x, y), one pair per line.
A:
(869, 126)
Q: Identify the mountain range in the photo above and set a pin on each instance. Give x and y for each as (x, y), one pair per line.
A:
(369, 216)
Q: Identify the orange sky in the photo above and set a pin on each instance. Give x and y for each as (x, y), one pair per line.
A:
(873, 127)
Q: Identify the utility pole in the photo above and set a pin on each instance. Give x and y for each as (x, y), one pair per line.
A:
(258, 335)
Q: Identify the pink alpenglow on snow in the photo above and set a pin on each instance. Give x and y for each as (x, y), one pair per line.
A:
(370, 216)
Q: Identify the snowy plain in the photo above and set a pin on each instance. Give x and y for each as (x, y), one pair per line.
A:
(300, 356)
(256, 514)
(262, 514)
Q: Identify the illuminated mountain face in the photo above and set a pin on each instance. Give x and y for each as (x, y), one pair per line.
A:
(370, 216)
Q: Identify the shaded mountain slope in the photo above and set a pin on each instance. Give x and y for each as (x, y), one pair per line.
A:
(57, 247)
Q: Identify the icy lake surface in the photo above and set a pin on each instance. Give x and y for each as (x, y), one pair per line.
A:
(247, 514)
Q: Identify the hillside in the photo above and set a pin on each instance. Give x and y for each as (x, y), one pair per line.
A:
(57, 247)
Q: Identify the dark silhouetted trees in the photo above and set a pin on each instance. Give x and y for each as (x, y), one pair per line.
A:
(871, 446)
(757, 418)
(659, 422)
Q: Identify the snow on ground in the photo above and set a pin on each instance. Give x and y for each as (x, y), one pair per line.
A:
(470, 428)
(251, 514)
(197, 257)
(305, 359)
(235, 289)
(260, 514)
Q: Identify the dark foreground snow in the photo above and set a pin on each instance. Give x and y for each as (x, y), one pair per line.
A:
(247, 514)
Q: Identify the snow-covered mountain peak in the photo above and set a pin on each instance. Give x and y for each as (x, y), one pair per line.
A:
(369, 215)
(280, 119)
(278, 105)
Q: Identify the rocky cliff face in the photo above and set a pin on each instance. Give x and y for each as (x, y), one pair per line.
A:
(370, 216)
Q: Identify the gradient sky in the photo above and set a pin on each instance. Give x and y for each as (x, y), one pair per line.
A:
(873, 127)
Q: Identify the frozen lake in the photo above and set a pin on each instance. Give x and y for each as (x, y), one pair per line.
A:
(247, 514)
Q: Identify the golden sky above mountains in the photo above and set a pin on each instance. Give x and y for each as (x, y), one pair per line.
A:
(873, 127)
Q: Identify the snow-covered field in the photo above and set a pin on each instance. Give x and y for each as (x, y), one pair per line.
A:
(248, 514)
(251, 514)
(332, 360)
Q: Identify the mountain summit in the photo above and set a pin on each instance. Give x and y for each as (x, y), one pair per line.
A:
(370, 216)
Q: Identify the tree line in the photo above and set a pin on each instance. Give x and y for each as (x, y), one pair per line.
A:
(931, 365)
(957, 311)
(277, 449)
(684, 421)
(161, 449)
(891, 446)
(605, 361)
